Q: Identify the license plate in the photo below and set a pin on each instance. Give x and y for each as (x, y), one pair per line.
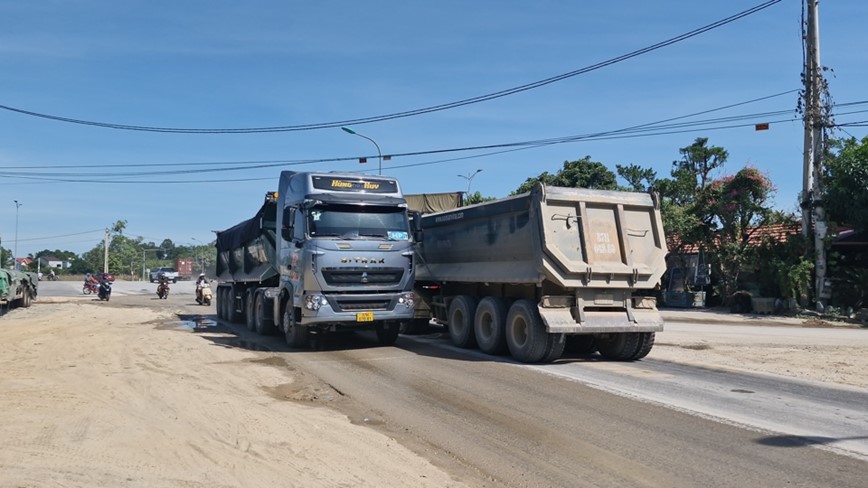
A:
(365, 317)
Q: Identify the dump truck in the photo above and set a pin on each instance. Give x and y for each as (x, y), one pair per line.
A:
(533, 273)
(326, 252)
(17, 288)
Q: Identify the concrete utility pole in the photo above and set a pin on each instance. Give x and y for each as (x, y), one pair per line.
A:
(812, 203)
(105, 258)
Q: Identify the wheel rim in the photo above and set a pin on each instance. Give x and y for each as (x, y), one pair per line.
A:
(519, 331)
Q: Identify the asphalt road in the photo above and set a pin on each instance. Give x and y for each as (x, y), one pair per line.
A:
(581, 422)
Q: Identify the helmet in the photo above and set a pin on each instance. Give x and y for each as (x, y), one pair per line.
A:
(201, 275)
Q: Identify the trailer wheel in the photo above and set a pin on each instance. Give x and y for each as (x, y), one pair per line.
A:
(264, 322)
(249, 310)
(461, 312)
(232, 314)
(27, 299)
(646, 342)
(555, 344)
(387, 333)
(221, 302)
(618, 347)
(489, 325)
(526, 334)
(296, 335)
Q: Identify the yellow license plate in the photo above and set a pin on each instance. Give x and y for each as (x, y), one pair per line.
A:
(365, 317)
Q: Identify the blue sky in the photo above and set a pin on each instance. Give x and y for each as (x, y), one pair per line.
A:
(224, 64)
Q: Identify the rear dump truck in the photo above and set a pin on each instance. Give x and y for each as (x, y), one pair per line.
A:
(327, 252)
(539, 272)
(17, 289)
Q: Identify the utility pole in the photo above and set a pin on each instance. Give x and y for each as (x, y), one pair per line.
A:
(812, 203)
(105, 258)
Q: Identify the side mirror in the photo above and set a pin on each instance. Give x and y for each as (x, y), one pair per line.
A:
(416, 225)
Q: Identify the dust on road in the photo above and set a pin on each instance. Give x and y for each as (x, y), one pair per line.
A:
(93, 394)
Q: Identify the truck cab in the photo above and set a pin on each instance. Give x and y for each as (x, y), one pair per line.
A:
(345, 253)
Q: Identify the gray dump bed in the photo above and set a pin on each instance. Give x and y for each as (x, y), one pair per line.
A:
(585, 249)
(247, 251)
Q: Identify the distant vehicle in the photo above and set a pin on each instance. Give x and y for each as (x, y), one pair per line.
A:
(171, 274)
(17, 289)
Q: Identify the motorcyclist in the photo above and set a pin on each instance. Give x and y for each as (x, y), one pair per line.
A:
(163, 281)
(199, 282)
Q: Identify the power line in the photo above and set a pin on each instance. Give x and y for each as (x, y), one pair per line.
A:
(409, 113)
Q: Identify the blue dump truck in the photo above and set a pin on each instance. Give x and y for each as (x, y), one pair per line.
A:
(17, 289)
(326, 252)
(534, 273)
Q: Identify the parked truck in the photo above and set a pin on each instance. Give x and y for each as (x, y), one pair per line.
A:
(530, 273)
(326, 252)
(17, 288)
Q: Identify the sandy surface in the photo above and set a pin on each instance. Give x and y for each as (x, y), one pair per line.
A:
(98, 395)
(93, 395)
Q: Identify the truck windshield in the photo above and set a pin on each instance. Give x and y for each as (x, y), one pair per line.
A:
(358, 222)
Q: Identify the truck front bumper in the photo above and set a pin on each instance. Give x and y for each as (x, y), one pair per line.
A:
(356, 310)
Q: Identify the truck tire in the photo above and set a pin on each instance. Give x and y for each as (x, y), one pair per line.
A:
(387, 333)
(27, 299)
(249, 310)
(221, 302)
(461, 313)
(296, 335)
(646, 342)
(232, 314)
(618, 347)
(554, 347)
(264, 323)
(526, 334)
(489, 325)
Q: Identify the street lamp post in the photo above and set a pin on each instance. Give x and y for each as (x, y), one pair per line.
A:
(469, 178)
(198, 256)
(15, 257)
(379, 153)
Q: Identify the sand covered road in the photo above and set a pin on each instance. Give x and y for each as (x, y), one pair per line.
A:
(98, 395)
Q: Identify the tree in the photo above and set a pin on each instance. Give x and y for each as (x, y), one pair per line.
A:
(477, 197)
(700, 160)
(582, 173)
(637, 178)
(845, 182)
(736, 206)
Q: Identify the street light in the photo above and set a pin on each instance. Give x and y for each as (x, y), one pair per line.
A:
(469, 178)
(379, 153)
(198, 258)
(15, 257)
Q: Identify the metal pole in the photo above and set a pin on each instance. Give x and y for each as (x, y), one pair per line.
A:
(469, 179)
(379, 153)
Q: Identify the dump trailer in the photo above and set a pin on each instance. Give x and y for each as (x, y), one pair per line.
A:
(17, 288)
(534, 273)
(326, 252)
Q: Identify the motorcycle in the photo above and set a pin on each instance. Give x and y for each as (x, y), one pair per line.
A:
(163, 290)
(105, 290)
(90, 287)
(203, 294)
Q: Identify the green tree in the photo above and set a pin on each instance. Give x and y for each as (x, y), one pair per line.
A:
(700, 160)
(845, 182)
(638, 178)
(736, 206)
(582, 173)
(477, 197)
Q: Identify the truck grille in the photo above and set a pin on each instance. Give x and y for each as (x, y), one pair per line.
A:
(362, 276)
(349, 304)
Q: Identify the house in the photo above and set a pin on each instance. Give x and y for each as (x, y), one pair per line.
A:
(53, 262)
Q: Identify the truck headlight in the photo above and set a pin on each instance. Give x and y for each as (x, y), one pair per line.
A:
(407, 299)
(314, 302)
